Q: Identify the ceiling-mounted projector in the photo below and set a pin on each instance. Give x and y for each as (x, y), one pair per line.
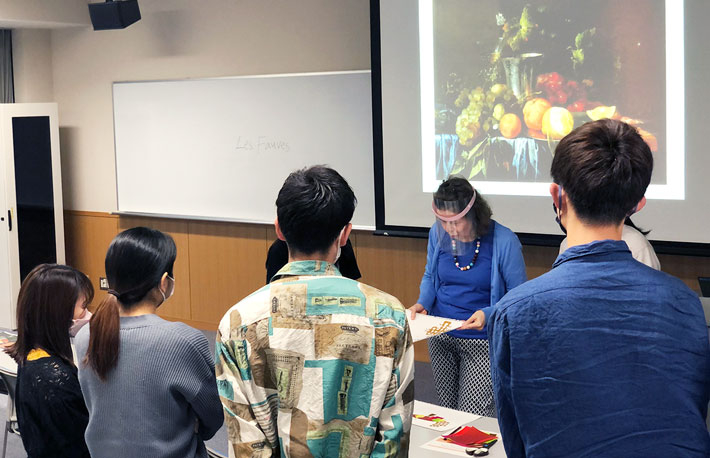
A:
(111, 15)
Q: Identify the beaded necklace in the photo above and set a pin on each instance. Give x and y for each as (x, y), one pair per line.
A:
(475, 255)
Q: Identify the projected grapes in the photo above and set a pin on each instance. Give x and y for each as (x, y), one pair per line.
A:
(512, 78)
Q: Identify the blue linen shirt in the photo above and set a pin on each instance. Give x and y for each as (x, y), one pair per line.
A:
(463, 292)
(507, 267)
(601, 356)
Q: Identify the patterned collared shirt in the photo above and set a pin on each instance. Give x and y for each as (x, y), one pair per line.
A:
(315, 364)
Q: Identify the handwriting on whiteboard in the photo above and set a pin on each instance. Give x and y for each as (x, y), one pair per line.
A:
(262, 144)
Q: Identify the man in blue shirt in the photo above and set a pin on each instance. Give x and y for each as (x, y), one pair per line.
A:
(601, 356)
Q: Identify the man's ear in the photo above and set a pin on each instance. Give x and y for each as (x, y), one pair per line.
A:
(346, 234)
(641, 204)
(279, 234)
(554, 193)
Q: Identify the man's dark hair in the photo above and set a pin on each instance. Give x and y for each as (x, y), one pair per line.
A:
(313, 206)
(459, 191)
(604, 167)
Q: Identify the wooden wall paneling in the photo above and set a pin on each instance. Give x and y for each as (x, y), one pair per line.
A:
(227, 264)
(87, 236)
(178, 306)
(393, 264)
(687, 268)
(220, 263)
(539, 259)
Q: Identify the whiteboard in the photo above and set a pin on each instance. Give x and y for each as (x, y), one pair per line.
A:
(221, 148)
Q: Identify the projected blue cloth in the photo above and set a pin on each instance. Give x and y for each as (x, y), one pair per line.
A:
(521, 152)
(447, 146)
(601, 356)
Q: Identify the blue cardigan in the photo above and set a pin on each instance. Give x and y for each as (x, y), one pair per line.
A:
(507, 267)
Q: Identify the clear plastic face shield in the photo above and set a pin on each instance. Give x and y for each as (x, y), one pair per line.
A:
(455, 225)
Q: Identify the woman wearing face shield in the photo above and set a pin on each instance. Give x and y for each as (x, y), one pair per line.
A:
(149, 384)
(472, 262)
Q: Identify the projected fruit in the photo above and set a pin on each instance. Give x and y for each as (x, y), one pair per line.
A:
(603, 112)
(529, 78)
(482, 110)
(510, 125)
(557, 122)
(533, 111)
(498, 111)
(649, 138)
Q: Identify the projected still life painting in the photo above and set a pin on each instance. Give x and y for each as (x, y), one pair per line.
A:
(512, 78)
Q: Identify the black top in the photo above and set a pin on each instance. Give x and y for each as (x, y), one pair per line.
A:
(278, 257)
(51, 413)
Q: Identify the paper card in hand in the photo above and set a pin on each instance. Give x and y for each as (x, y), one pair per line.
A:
(425, 326)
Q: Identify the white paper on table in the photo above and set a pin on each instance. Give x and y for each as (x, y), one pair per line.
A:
(450, 418)
(438, 444)
(425, 326)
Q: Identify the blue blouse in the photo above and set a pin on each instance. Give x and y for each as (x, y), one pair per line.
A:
(463, 292)
(507, 267)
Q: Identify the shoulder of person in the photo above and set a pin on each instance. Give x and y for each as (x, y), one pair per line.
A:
(525, 294)
(502, 233)
(254, 307)
(504, 238)
(629, 234)
(384, 296)
(670, 284)
(181, 335)
(50, 375)
(81, 340)
(432, 231)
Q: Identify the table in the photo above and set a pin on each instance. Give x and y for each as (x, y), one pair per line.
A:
(420, 436)
(7, 363)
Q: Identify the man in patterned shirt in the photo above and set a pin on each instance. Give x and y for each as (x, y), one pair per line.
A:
(316, 364)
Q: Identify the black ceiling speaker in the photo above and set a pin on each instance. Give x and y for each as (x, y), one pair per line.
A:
(114, 14)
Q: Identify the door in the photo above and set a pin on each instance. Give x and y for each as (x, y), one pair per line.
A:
(30, 143)
(6, 305)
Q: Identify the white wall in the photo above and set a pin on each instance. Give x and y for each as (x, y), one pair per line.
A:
(187, 39)
(16, 14)
(32, 65)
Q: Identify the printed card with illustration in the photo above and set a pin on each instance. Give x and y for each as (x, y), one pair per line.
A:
(425, 326)
(7, 338)
(439, 418)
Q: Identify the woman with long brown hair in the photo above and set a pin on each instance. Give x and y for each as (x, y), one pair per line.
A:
(51, 413)
(149, 384)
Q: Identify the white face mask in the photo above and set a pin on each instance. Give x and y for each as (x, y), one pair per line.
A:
(170, 294)
(337, 254)
(78, 324)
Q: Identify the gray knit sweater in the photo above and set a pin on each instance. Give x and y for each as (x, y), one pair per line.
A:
(161, 399)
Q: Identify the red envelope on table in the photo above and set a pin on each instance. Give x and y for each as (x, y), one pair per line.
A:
(468, 435)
